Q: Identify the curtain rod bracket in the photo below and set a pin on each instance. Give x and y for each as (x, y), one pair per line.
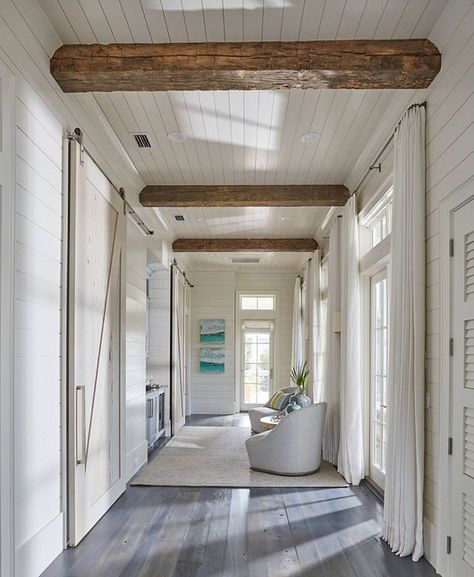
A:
(374, 165)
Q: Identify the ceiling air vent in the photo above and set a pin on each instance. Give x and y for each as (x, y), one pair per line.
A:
(245, 260)
(179, 217)
(142, 140)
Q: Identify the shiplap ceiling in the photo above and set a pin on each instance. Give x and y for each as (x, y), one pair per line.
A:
(243, 137)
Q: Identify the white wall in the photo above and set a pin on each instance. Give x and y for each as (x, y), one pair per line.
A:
(38, 307)
(213, 297)
(44, 115)
(158, 361)
(135, 432)
(450, 162)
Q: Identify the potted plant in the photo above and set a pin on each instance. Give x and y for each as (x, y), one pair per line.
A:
(299, 376)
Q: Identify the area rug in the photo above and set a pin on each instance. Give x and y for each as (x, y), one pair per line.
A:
(216, 457)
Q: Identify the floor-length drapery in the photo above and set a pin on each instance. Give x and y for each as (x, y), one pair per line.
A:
(178, 381)
(351, 445)
(403, 512)
(312, 325)
(333, 347)
(297, 348)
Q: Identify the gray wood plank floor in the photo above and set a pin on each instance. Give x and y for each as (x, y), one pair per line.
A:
(208, 532)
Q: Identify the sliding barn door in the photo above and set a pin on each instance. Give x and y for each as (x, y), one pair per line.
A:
(96, 351)
(463, 392)
(179, 352)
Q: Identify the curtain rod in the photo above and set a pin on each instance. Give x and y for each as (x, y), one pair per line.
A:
(374, 165)
(186, 280)
(78, 136)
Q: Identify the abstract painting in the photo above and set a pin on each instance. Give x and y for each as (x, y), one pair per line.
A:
(212, 332)
(212, 360)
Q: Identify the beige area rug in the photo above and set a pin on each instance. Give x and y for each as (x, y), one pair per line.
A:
(216, 457)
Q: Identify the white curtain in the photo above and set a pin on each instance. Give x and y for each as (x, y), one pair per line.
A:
(331, 375)
(312, 324)
(351, 446)
(403, 511)
(178, 384)
(297, 350)
(320, 353)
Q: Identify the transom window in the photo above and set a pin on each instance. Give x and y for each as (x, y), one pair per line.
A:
(257, 302)
(378, 222)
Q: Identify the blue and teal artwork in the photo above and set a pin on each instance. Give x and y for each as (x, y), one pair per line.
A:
(212, 332)
(212, 360)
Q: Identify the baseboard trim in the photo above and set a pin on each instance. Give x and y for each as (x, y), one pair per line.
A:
(135, 459)
(430, 536)
(36, 554)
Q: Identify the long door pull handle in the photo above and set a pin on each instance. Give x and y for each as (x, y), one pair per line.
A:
(80, 424)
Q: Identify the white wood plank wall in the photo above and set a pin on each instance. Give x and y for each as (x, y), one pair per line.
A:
(43, 115)
(158, 361)
(135, 435)
(450, 161)
(213, 297)
(38, 309)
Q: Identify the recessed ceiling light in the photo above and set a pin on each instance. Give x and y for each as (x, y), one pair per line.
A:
(310, 137)
(286, 218)
(176, 137)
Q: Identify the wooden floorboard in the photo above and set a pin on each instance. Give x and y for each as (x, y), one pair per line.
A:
(258, 532)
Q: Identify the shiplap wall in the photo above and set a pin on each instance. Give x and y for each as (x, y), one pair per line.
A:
(158, 361)
(449, 162)
(213, 297)
(135, 436)
(43, 114)
(38, 305)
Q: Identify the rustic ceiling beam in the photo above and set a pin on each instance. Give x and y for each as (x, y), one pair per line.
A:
(245, 245)
(364, 64)
(244, 195)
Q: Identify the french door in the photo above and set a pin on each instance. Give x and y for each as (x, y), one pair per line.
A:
(257, 363)
(95, 344)
(462, 418)
(378, 375)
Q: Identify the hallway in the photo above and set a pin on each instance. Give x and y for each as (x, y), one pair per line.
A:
(213, 532)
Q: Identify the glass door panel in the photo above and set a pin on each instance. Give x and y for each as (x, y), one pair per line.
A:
(379, 375)
(257, 367)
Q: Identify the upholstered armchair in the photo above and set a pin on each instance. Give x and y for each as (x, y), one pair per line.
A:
(293, 447)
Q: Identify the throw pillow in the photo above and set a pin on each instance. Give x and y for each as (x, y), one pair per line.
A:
(279, 401)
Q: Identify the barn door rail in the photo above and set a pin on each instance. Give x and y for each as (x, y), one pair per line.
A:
(78, 136)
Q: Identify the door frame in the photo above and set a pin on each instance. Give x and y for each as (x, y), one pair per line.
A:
(7, 247)
(239, 317)
(458, 198)
(382, 273)
(271, 332)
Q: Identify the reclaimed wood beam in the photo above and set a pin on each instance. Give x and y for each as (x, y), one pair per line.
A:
(245, 245)
(363, 64)
(244, 195)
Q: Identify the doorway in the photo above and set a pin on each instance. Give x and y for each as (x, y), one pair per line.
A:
(257, 363)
